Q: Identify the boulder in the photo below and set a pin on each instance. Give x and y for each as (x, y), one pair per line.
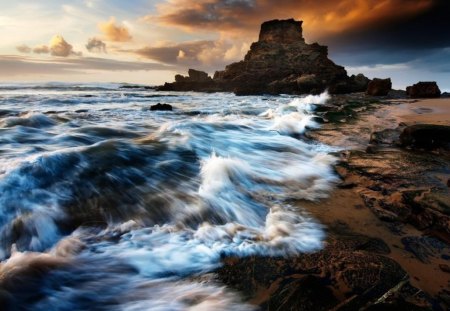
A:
(379, 87)
(426, 136)
(161, 107)
(424, 90)
(360, 82)
(198, 76)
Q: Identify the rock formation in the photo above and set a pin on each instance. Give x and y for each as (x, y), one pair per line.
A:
(280, 62)
(161, 107)
(423, 90)
(379, 87)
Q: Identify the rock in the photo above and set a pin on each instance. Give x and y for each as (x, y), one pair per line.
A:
(195, 81)
(281, 31)
(445, 268)
(350, 266)
(427, 136)
(424, 90)
(359, 82)
(280, 62)
(379, 87)
(161, 107)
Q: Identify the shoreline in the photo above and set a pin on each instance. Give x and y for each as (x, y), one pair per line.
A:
(347, 206)
(368, 260)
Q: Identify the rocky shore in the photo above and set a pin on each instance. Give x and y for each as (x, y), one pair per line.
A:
(388, 222)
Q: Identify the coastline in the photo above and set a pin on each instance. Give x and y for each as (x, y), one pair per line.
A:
(347, 207)
(369, 261)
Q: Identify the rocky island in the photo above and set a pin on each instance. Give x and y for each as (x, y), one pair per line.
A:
(281, 62)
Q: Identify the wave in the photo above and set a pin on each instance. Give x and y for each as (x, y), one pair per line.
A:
(60, 86)
(125, 209)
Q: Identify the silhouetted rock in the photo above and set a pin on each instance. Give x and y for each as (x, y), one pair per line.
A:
(424, 90)
(379, 87)
(161, 107)
(195, 81)
(280, 62)
(427, 136)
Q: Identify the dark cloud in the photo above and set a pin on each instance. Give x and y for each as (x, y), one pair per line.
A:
(96, 45)
(425, 30)
(326, 18)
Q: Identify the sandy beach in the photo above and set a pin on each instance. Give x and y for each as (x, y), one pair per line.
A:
(430, 111)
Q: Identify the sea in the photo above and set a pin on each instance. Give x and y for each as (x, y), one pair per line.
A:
(108, 205)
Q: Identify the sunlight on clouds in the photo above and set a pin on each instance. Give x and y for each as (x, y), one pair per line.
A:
(60, 47)
(114, 32)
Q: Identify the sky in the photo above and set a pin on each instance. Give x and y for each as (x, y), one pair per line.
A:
(149, 41)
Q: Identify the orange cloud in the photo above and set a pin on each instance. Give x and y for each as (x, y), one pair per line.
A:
(114, 32)
(320, 17)
(59, 47)
(206, 55)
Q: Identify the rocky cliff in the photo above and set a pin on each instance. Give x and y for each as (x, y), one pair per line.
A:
(280, 62)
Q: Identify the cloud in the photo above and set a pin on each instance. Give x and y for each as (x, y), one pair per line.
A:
(96, 45)
(358, 32)
(41, 49)
(18, 65)
(206, 54)
(59, 47)
(321, 17)
(23, 48)
(114, 32)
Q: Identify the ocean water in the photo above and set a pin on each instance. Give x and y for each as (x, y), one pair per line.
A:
(106, 205)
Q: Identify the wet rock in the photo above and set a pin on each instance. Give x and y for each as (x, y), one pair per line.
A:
(424, 90)
(161, 107)
(349, 266)
(424, 247)
(427, 136)
(279, 62)
(379, 87)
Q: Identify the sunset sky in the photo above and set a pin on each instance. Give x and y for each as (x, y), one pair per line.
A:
(148, 41)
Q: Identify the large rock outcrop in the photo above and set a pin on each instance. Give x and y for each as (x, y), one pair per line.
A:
(423, 90)
(379, 87)
(280, 62)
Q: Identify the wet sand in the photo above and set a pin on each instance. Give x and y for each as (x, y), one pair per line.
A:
(431, 111)
(346, 206)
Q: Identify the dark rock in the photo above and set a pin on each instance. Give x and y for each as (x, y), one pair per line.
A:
(281, 31)
(360, 82)
(350, 266)
(424, 90)
(427, 136)
(195, 81)
(279, 63)
(445, 94)
(379, 87)
(445, 268)
(161, 107)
